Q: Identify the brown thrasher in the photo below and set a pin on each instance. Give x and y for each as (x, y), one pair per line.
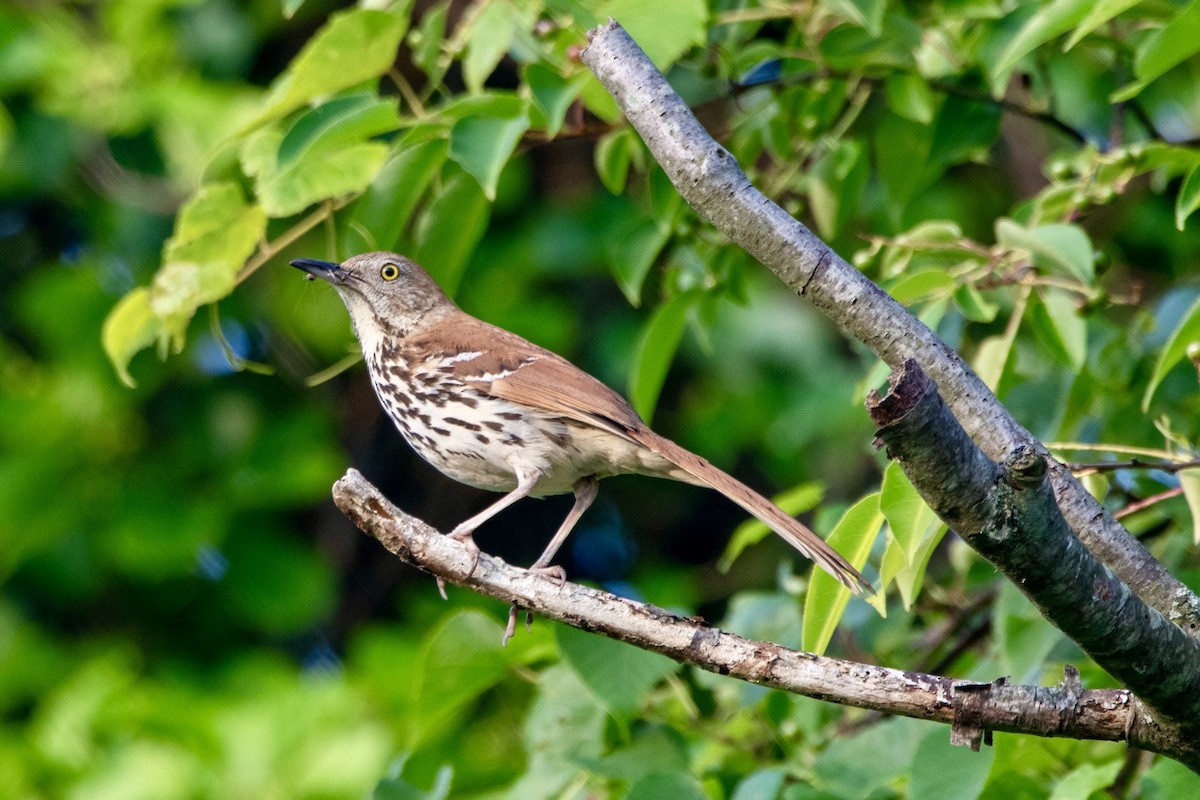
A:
(494, 411)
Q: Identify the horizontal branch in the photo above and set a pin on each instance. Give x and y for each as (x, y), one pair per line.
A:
(971, 708)
(1007, 513)
(709, 179)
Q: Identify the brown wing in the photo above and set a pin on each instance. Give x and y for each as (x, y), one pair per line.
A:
(518, 370)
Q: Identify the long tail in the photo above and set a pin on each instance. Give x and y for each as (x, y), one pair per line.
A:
(796, 534)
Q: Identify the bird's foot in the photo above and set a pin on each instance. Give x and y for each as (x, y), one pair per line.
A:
(510, 629)
(554, 572)
(468, 542)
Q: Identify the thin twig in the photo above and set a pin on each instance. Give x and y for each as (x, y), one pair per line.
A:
(1146, 502)
(1094, 468)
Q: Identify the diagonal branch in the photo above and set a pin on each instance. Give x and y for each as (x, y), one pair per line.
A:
(1007, 513)
(972, 709)
(710, 180)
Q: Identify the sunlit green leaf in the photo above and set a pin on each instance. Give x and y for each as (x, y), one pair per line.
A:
(354, 46)
(914, 286)
(655, 351)
(1189, 481)
(129, 328)
(665, 30)
(1185, 335)
(1165, 48)
(974, 305)
(1064, 247)
(1101, 12)
(1058, 324)
(215, 233)
(853, 537)
(553, 94)
(483, 145)
(1049, 21)
(1085, 780)
(492, 30)
(343, 171)
(337, 123)
(1189, 196)
(865, 13)
(909, 518)
(910, 96)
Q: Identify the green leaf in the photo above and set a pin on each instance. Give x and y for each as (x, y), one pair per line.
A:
(492, 31)
(450, 228)
(853, 537)
(941, 771)
(343, 171)
(665, 30)
(1062, 246)
(1189, 481)
(1169, 780)
(483, 145)
(910, 96)
(552, 94)
(1059, 326)
(342, 121)
(763, 784)
(1102, 11)
(215, 233)
(1047, 22)
(379, 217)
(974, 305)
(290, 7)
(1189, 196)
(1171, 45)
(618, 674)
(353, 47)
(866, 14)
(655, 351)
(632, 252)
(796, 500)
(613, 155)
(909, 518)
(914, 286)
(676, 785)
(835, 183)
(1085, 780)
(129, 328)
(461, 659)
(991, 359)
(1186, 333)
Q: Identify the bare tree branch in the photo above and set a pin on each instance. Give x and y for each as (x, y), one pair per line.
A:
(1008, 514)
(972, 709)
(710, 180)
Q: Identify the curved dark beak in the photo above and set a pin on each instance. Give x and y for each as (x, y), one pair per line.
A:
(325, 270)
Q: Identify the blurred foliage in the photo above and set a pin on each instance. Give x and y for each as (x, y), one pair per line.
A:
(184, 615)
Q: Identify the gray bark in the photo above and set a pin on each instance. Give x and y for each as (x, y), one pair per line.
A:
(972, 709)
(710, 180)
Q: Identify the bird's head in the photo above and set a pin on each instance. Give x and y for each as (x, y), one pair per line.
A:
(382, 291)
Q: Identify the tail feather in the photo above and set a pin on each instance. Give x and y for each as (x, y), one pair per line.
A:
(792, 530)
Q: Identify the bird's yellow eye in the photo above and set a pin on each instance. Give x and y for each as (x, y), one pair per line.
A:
(389, 272)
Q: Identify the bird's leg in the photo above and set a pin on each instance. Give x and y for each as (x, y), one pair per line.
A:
(585, 495)
(526, 480)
